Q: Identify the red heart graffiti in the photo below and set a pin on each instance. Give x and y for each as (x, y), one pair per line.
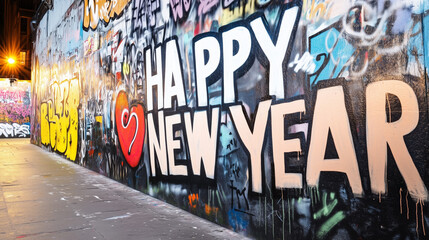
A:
(130, 125)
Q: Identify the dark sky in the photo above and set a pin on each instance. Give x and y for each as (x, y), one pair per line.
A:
(25, 4)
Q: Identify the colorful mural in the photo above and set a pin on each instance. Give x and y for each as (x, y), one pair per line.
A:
(15, 108)
(277, 119)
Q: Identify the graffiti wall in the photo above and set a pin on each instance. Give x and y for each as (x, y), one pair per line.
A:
(15, 107)
(277, 119)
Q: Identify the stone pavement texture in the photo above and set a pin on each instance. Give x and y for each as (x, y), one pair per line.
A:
(44, 196)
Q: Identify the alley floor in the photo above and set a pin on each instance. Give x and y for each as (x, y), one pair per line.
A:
(44, 196)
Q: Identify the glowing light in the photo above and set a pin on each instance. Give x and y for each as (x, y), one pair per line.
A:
(11, 61)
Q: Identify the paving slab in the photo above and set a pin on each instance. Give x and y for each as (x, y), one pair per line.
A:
(44, 196)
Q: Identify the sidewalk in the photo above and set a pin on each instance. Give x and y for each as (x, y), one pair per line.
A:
(43, 196)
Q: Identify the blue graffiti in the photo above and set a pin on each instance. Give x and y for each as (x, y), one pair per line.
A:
(237, 220)
(337, 50)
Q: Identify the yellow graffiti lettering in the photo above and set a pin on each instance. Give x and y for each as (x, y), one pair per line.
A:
(44, 123)
(73, 104)
(53, 119)
(96, 10)
(230, 15)
(59, 118)
(61, 109)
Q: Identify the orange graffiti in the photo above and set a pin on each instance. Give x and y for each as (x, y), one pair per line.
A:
(193, 200)
(95, 10)
(209, 210)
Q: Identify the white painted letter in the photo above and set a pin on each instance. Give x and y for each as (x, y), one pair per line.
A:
(380, 132)
(173, 144)
(330, 114)
(233, 62)
(173, 70)
(155, 145)
(154, 80)
(281, 146)
(202, 143)
(276, 53)
(253, 139)
(204, 70)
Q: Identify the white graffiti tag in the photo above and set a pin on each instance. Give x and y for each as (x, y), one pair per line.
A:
(14, 130)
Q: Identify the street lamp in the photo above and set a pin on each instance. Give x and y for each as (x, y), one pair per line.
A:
(11, 61)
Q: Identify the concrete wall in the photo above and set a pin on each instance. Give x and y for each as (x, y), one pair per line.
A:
(15, 107)
(280, 120)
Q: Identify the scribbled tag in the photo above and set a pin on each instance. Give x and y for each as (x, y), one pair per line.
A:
(130, 126)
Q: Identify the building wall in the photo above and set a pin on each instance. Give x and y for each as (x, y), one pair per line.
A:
(15, 107)
(282, 120)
